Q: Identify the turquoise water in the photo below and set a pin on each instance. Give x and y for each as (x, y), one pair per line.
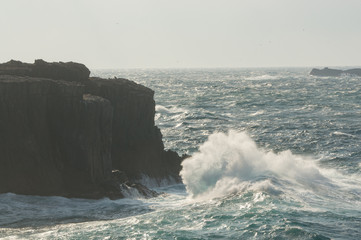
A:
(276, 154)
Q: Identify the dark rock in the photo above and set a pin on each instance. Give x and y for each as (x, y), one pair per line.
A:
(65, 137)
(69, 71)
(134, 189)
(120, 176)
(16, 68)
(144, 191)
(354, 71)
(54, 140)
(328, 72)
(137, 146)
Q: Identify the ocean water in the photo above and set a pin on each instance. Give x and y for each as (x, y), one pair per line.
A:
(276, 154)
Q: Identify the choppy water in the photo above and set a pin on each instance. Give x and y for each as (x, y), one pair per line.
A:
(276, 154)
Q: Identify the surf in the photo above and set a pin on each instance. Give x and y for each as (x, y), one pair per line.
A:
(229, 163)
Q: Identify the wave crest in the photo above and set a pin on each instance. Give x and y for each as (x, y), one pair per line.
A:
(232, 162)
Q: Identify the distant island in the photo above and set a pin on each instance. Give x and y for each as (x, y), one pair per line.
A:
(67, 134)
(329, 72)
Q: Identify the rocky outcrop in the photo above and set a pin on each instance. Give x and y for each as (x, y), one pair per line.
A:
(328, 72)
(64, 134)
(69, 71)
(354, 71)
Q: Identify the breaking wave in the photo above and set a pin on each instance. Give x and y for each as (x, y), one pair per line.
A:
(232, 162)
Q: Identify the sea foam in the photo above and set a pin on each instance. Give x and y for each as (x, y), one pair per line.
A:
(232, 162)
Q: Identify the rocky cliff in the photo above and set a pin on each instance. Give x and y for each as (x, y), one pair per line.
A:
(63, 133)
(329, 72)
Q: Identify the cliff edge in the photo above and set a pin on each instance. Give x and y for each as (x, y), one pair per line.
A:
(63, 133)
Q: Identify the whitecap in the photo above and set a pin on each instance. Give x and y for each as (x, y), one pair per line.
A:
(161, 109)
(151, 182)
(232, 162)
(260, 112)
(262, 77)
(337, 133)
(171, 109)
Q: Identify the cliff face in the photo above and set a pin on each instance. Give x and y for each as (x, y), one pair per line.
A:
(67, 136)
(137, 146)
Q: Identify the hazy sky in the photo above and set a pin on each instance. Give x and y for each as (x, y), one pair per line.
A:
(183, 33)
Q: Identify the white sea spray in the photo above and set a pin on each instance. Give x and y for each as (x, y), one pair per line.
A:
(232, 162)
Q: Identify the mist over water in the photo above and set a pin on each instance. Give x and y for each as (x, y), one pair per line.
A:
(276, 154)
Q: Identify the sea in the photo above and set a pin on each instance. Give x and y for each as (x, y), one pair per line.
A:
(275, 154)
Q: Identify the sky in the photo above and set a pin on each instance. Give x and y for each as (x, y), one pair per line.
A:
(183, 33)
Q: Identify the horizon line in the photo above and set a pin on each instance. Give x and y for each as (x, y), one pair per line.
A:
(249, 67)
